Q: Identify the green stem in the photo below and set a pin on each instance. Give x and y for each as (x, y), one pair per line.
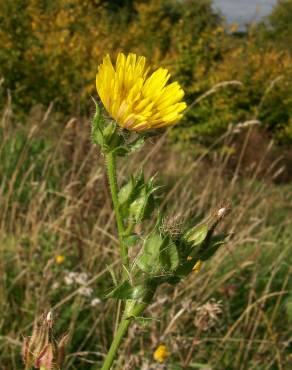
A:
(132, 310)
(112, 177)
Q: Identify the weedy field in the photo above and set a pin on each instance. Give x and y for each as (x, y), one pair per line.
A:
(58, 249)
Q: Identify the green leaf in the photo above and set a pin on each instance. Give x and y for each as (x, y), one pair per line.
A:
(145, 321)
(158, 256)
(104, 132)
(185, 268)
(132, 240)
(111, 271)
(148, 259)
(143, 205)
(136, 198)
(196, 365)
(127, 291)
(136, 144)
(196, 235)
(121, 151)
(96, 127)
(168, 256)
(109, 130)
(126, 191)
(131, 189)
(138, 206)
(97, 116)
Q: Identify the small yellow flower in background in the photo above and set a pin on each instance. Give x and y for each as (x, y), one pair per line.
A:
(197, 266)
(161, 353)
(136, 101)
(59, 259)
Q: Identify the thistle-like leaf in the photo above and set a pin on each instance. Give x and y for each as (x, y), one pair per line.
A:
(127, 291)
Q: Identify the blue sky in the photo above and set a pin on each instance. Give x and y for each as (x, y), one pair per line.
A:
(241, 11)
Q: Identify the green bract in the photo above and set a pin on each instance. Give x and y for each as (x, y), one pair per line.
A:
(136, 198)
(163, 259)
(107, 134)
(158, 255)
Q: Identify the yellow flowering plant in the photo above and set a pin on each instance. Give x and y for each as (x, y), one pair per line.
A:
(136, 104)
(161, 353)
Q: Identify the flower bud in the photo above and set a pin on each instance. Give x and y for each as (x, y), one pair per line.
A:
(41, 350)
(104, 131)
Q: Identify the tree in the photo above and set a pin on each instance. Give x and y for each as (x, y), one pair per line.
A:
(279, 24)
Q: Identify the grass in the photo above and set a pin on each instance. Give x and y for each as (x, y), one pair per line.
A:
(54, 201)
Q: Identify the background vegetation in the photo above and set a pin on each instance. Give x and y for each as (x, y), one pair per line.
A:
(234, 143)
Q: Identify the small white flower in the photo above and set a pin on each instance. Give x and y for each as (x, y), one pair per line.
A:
(81, 278)
(95, 302)
(76, 277)
(85, 291)
(55, 285)
(49, 316)
(69, 278)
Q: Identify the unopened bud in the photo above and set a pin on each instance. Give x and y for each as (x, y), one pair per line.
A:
(219, 213)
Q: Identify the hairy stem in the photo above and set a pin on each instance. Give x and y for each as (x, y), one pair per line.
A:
(112, 177)
(132, 307)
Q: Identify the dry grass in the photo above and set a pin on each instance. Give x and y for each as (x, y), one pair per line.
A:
(54, 201)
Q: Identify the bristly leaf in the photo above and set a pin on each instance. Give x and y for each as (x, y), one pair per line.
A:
(113, 276)
(196, 235)
(148, 259)
(121, 150)
(96, 126)
(158, 256)
(136, 144)
(168, 256)
(143, 205)
(127, 291)
(126, 191)
(136, 198)
(190, 242)
(145, 321)
(105, 133)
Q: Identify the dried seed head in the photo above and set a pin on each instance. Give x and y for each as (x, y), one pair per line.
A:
(172, 226)
(207, 316)
(41, 350)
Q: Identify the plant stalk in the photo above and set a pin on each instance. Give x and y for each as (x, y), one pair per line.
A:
(132, 307)
(132, 310)
(110, 160)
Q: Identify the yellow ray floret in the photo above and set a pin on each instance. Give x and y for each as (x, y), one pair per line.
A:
(135, 100)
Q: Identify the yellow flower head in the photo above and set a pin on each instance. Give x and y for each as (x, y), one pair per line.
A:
(59, 259)
(136, 100)
(161, 353)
